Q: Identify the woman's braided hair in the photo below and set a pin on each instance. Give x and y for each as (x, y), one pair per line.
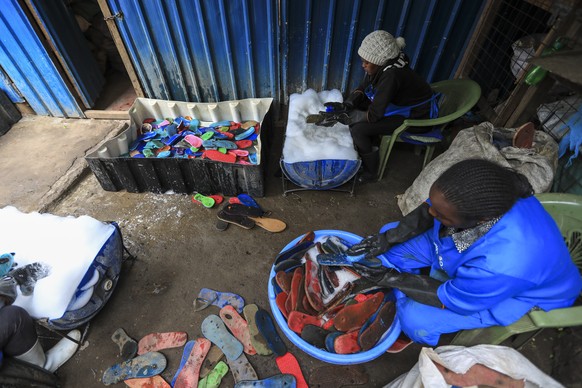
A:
(482, 190)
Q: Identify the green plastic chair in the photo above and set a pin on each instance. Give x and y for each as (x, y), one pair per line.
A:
(566, 209)
(457, 97)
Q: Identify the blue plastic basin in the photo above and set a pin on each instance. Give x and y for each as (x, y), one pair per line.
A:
(321, 174)
(341, 359)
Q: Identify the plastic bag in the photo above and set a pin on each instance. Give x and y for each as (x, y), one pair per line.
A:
(460, 359)
(553, 115)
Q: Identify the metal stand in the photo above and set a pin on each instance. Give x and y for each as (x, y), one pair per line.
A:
(285, 180)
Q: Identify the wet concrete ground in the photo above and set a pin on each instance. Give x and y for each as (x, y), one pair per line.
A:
(179, 251)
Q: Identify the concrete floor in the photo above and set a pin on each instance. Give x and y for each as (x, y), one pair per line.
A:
(179, 251)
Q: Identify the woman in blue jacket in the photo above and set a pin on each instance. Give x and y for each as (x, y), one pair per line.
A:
(499, 252)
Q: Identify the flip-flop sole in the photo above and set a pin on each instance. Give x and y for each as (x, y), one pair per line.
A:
(298, 320)
(127, 345)
(146, 365)
(314, 335)
(158, 341)
(214, 378)
(148, 382)
(212, 358)
(347, 343)
(207, 297)
(242, 221)
(288, 365)
(241, 369)
(277, 381)
(354, 316)
(258, 341)
(371, 334)
(190, 373)
(214, 329)
(185, 354)
(238, 327)
(269, 332)
(338, 376)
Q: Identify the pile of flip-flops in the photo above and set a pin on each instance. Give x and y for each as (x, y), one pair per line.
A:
(242, 211)
(183, 137)
(327, 303)
(227, 335)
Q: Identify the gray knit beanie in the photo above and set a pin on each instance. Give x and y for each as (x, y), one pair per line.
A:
(380, 46)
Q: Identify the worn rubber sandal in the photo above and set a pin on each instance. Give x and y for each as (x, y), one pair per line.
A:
(146, 365)
(219, 156)
(185, 354)
(207, 202)
(242, 221)
(213, 356)
(524, 136)
(156, 381)
(269, 332)
(243, 210)
(297, 321)
(347, 343)
(238, 327)
(158, 341)
(330, 340)
(245, 134)
(283, 280)
(241, 369)
(354, 316)
(312, 283)
(247, 200)
(338, 376)
(214, 378)
(288, 365)
(277, 381)
(214, 329)
(371, 333)
(307, 307)
(207, 297)
(218, 199)
(189, 375)
(314, 335)
(401, 343)
(127, 345)
(281, 301)
(258, 341)
(221, 225)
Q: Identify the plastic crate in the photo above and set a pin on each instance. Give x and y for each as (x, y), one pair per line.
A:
(181, 175)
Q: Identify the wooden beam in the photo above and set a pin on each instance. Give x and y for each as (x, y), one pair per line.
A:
(107, 114)
(110, 20)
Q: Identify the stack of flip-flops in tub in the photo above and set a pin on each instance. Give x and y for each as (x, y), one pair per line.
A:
(227, 335)
(327, 303)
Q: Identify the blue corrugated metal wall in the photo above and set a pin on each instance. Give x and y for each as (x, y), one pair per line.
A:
(195, 50)
(216, 50)
(320, 38)
(29, 66)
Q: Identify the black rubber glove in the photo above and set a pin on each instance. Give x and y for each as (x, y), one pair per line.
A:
(422, 289)
(8, 290)
(414, 223)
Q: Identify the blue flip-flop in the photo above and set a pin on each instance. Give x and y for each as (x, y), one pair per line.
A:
(214, 329)
(187, 350)
(267, 329)
(283, 380)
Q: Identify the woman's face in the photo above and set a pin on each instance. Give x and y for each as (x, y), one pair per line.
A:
(443, 210)
(370, 68)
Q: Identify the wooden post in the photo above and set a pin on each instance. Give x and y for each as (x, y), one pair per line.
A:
(110, 20)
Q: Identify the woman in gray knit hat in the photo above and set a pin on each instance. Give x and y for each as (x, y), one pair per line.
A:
(390, 93)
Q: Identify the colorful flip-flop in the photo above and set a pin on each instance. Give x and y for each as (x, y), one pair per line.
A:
(158, 341)
(185, 354)
(269, 332)
(241, 369)
(238, 327)
(127, 345)
(214, 329)
(190, 373)
(277, 381)
(207, 202)
(214, 378)
(212, 358)
(347, 343)
(376, 326)
(258, 341)
(207, 297)
(156, 381)
(298, 320)
(354, 316)
(288, 365)
(146, 365)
